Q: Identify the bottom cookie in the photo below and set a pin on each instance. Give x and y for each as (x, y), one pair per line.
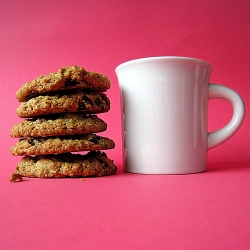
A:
(95, 163)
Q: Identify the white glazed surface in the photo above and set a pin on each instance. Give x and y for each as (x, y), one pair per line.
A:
(165, 115)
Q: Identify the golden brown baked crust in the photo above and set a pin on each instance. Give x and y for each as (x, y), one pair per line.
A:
(58, 145)
(59, 125)
(66, 78)
(94, 163)
(76, 101)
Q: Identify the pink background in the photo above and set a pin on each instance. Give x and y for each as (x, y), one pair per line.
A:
(126, 211)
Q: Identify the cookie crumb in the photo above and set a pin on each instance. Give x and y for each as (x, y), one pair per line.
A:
(15, 177)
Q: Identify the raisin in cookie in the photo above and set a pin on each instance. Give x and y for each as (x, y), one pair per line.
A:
(66, 78)
(94, 163)
(76, 101)
(58, 145)
(59, 125)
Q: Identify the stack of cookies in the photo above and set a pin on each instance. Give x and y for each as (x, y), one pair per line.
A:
(60, 112)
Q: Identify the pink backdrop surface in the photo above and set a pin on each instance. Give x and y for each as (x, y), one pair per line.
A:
(126, 211)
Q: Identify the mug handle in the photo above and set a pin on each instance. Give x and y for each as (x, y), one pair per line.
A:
(218, 137)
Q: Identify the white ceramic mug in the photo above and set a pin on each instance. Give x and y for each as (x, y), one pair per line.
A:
(166, 114)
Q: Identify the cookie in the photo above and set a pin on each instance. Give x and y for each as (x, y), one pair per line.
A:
(59, 125)
(76, 101)
(58, 145)
(65, 79)
(94, 163)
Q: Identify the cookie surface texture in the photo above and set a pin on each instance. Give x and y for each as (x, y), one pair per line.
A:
(94, 163)
(58, 145)
(76, 101)
(66, 78)
(59, 125)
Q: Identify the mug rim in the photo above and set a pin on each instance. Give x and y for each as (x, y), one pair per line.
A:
(162, 58)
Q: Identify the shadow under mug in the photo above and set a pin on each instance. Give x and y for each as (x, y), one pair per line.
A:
(165, 114)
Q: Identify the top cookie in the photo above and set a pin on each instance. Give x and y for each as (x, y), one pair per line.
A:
(66, 78)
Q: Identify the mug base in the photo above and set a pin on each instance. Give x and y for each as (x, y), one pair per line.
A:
(165, 173)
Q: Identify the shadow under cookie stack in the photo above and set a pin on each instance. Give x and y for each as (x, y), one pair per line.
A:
(60, 112)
